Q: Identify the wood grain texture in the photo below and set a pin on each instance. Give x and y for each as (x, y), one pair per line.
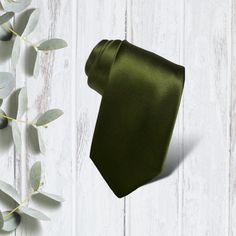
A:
(155, 209)
(195, 194)
(53, 90)
(7, 157)
(232, 163)
(98, 211)
(206, 109)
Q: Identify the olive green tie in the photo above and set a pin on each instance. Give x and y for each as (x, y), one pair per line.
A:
(141, 93)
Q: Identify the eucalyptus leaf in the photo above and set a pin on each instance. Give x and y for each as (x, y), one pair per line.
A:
(41, 144)
(1, 101)
(15, 52)
(6, 17)
(48, 117)
(36, 65)
(22, 103)
(32, 22)
(52, 44)
(3, 120)
(10, 191)
(35, 175)
(34, 213)
(12, 221)
(5, 34)
(16, 137)
(15, 5)
(53, 197)
(1, 220)
(7, 84)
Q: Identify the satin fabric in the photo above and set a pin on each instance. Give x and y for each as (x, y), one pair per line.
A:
(141, 93)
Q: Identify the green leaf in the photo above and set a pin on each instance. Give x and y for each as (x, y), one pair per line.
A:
(1, 220)
(34, 213)
(32, 22)
(16, 137)
(22, 103)
(10, 191)
(52, 44)
(6, 17)
(41, 144)
(3, 120)
(12, 221)
(1, 101)
(53, 197)
(15, 52)
(35, 175)
(5, 34)
(7, 84)
(15, 5)
(48, 117)
(36, 65)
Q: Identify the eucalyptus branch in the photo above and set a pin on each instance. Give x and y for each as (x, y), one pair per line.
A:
(28, 197)
(21, 37)
(22, 203)
(13, 119)
(7, 85)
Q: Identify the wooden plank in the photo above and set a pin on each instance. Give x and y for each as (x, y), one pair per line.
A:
(232, 175)
(206, 117)
(99, 212)
(52, 89)
(155, 208)
(7, 157)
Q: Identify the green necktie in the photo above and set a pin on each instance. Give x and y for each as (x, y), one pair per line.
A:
(141, 93)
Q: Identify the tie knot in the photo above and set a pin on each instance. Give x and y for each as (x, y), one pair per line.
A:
(99, 63)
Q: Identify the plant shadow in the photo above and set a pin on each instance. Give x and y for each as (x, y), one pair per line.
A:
(12, 104)
(5, 139)
(30, 55)
(35, 226)
(32, 139)
(174, 158)
(5, 49)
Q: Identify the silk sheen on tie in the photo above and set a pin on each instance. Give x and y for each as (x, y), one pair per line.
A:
(141, 93)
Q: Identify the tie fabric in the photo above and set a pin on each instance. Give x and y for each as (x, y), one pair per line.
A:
(141, 93)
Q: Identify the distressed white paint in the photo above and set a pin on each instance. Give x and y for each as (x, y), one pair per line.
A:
(7, 158)
(197, 195)
(155, 209)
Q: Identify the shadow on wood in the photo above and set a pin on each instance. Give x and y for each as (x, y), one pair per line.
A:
(32, 140)
(5, 139)
(174, 158)
(30, 55)
(34, 226)
(5, 49)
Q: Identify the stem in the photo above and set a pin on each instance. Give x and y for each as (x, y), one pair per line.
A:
(25, 200)
(20, 121)
(21, 37)
(16, 208)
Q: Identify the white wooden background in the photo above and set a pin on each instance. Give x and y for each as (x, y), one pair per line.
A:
(196, 194)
